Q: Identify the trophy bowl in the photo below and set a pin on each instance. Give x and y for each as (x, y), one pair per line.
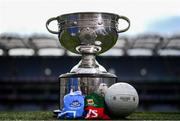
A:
(88, 28)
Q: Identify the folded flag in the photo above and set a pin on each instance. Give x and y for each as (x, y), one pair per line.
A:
(73, 106)
(94, 107)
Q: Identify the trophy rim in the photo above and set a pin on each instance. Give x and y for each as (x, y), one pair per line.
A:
(73, 13)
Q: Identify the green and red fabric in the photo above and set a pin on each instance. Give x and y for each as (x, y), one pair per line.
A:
(94, 106)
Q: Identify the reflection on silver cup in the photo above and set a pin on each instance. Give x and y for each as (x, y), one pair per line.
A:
(86, 83)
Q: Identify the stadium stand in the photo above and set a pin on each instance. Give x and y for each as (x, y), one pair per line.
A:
(30, 82)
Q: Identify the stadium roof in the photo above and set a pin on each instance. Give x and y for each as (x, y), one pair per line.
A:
(44, 45)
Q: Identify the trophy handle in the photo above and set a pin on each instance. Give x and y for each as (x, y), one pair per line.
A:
(127, 20)
(47, 25)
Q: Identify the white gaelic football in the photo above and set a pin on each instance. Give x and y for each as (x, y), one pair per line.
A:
(121, 99)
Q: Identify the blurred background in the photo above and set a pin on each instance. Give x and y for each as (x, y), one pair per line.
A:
(31, 59)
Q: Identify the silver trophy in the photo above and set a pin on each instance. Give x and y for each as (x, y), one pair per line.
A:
(88, 34)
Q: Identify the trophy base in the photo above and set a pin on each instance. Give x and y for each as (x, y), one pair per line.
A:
(87, 83)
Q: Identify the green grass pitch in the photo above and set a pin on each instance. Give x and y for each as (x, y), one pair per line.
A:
(47, 115)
